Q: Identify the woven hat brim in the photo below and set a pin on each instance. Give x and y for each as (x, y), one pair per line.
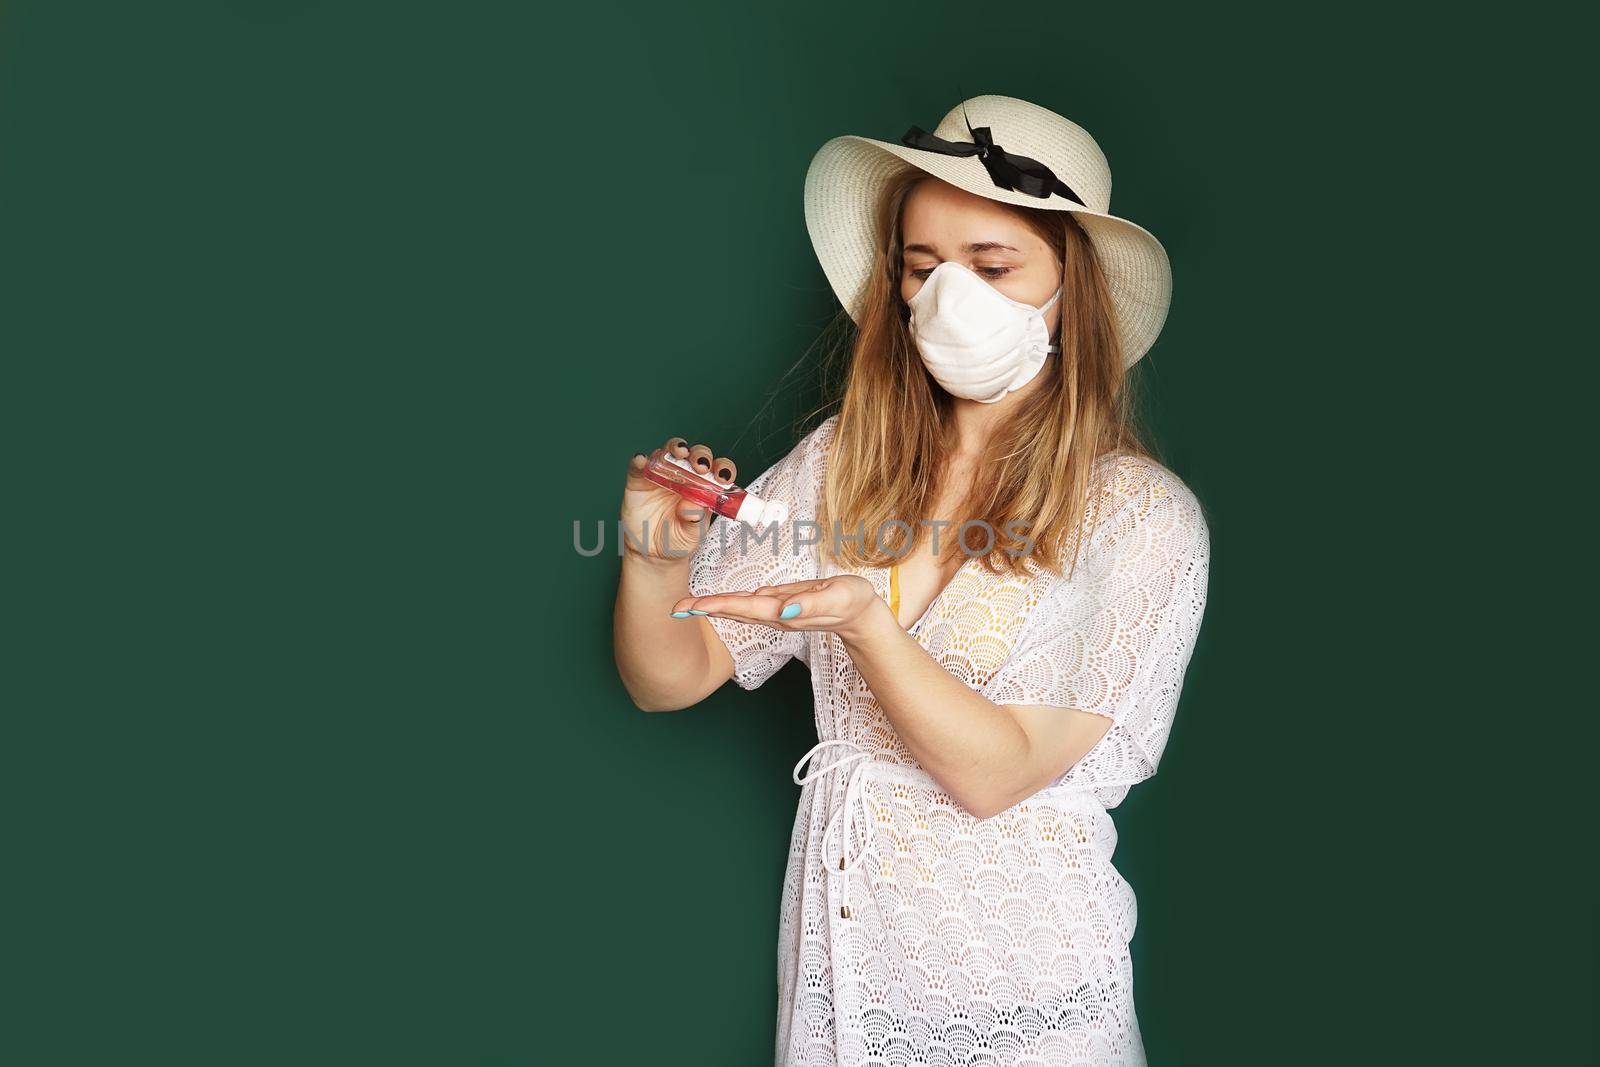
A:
(848, 173)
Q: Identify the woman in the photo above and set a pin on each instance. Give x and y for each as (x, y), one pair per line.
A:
(996, 590)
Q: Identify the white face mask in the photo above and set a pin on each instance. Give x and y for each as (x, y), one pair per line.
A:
(977, 342)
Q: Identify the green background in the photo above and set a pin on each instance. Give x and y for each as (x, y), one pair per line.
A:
(323, 322)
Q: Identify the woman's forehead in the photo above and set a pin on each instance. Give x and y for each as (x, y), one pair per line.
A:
(940, 217)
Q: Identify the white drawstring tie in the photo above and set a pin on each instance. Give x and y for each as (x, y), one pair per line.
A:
(851, 792)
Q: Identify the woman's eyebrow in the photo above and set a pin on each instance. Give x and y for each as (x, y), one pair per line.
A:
(976, 246)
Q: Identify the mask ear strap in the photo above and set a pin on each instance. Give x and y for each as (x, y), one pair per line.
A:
(1046, 307)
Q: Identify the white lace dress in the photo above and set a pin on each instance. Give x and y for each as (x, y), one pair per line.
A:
(999, 941)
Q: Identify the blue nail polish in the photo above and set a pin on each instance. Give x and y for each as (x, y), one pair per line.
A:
(789, 612)
(697, 611)
(680, 614)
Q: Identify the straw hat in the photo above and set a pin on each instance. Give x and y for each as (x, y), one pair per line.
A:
(1007, 150)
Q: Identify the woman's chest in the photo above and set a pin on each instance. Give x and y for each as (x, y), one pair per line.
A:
(976, 622)
(915, 582)
(971, 625)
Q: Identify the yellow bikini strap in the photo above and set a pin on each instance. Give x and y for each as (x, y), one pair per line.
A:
(894, 590)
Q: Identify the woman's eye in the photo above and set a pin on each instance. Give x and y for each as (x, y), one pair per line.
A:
(987, 272)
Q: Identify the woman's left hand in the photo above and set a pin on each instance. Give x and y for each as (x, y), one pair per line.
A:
(846, 604)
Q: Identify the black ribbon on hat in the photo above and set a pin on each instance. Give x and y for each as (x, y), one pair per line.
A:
(1008, 170)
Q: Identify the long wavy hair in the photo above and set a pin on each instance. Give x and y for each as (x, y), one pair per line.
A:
(895, 425)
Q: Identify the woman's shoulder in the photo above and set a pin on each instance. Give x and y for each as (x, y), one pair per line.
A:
(820, 437)
(811, 451)
(1136, 489)
(798, 474)
(1134, 476)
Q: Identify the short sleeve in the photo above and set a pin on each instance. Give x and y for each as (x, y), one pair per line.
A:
(736, 556)
(1116, 638)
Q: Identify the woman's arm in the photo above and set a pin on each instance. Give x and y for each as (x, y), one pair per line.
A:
(1105, 656)
(987, 756)
(666, 664)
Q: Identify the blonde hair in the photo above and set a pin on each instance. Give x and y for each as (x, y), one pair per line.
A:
(885, 462)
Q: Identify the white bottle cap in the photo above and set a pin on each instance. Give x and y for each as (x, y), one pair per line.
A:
(758, 512)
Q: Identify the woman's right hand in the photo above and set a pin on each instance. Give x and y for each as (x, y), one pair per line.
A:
(671, 522)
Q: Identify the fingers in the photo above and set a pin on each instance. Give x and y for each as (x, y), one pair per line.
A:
(778, 610)
(740, 602)
(739, 599)
(743, 605)
(684, 509)
(636, 479)
(797, 606)
(790, 588)
(690, 512)
(700, 458)
(817, 604)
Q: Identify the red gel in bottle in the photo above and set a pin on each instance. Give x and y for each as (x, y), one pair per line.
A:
(729, 501)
